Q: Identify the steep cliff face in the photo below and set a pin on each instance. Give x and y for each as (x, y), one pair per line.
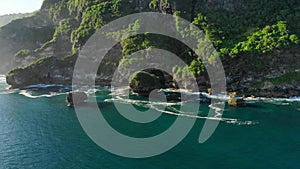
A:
(229, 5)
(58, 29)
(258, 41)
(49, 70)
(5, 19)
(275, 74)
(59, 46)
(27, 33)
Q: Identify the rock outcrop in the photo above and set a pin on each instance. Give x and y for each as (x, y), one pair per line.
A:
(143, 83)
(76, 98)
(44, 71)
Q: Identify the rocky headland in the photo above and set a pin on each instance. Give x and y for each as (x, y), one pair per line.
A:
(260, 52)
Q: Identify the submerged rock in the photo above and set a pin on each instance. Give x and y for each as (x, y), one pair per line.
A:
(173, 96)
(75, 98)
(204, 99)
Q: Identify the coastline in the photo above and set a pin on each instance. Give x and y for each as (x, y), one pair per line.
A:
(269, 94)
(260, 92)
(195, 95)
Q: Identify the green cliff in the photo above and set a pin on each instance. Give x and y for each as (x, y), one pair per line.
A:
(28, 33)
(258, 41)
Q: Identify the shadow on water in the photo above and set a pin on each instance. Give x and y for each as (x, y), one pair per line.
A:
(90, 105)
(252, 105)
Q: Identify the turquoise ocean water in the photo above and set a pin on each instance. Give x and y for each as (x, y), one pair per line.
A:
(38, 130)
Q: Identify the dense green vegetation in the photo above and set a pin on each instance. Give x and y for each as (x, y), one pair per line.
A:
(287, 78)
(94, 17)
(64, 29)
(267, 39)
(23, 53)
(143, 82)
(238, 28)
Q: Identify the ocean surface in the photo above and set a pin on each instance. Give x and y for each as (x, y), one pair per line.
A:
(38, 130)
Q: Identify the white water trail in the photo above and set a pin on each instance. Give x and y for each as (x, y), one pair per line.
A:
(157, 106)
(29, 94)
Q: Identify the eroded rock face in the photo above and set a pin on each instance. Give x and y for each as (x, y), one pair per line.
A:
(267, 86)
(253, 75)
(166, 8)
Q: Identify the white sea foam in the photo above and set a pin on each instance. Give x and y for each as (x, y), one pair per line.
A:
(216, 117)
(225, 97)
(217, 109)
(43, 86)
(2, 78)
(31, 94)
(140, 102)
(4, 89)
(52, 90)
(173, 111)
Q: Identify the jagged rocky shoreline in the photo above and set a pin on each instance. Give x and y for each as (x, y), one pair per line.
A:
(144, 87)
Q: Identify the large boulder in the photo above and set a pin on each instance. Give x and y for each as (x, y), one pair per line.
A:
(143, 83)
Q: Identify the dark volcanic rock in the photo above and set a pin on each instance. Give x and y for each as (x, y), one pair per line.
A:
(76, 98)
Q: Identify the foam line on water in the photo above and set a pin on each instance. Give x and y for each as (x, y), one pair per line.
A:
(216, 117)
(139, 102)
(176, 112)
(33, 90)
(30, 95)
(225, 97)
(43, 86)
(2, 78)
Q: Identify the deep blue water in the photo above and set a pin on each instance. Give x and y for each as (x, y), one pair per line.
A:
(43, 133)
